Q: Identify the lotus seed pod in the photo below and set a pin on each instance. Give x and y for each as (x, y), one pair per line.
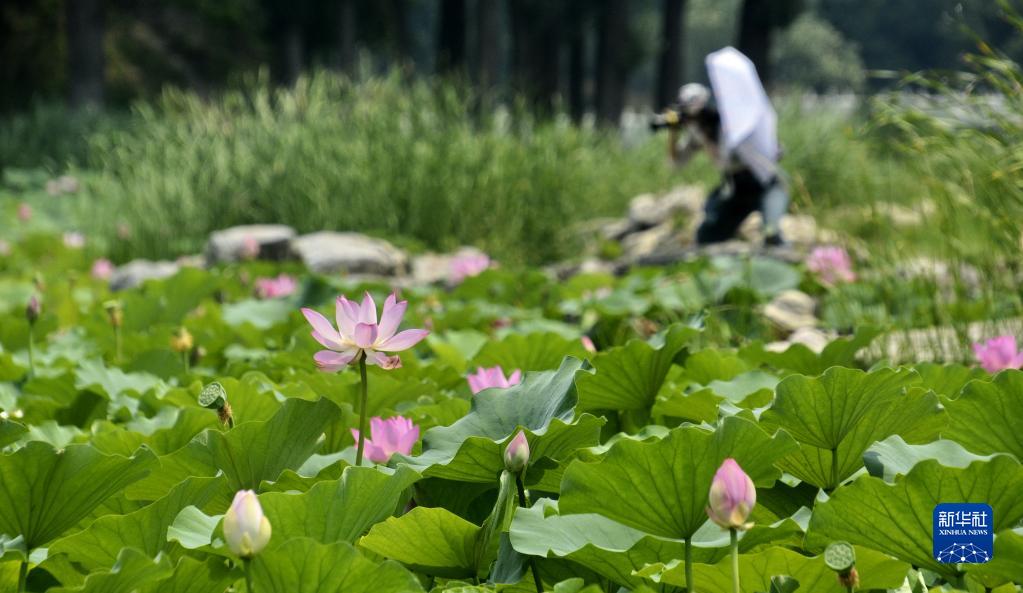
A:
(840, 556)
(213, 396)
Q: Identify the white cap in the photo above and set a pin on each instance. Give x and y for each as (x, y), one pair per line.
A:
(693, 97)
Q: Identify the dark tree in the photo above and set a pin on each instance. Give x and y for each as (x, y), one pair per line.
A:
(536, 46)
(577, 70)
(346, 17)
(451, 36)
(758, 22)
(670, 59)
(612, 60)
(85, 54)
(488, 45)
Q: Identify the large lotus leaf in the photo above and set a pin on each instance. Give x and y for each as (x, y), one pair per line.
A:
(948, 379)
(876, 571)
(256, 451)
(800, 359)
(661, 487)
(916, 416)
(10, 432)
(532, 352)
(303, 565)
(194, 529)
(1006, 563)
(175, 428)
(471, 449)
(46, 491)
(988, 415)
(192, 460)
(893, 457)
(193, 576)
(132, 570)
(615, 551)
(145, 529)
(339, 510)
(122, 389)
(434, 541)
(822, 411)
(896, 519)
(629, 377)
(455, 348)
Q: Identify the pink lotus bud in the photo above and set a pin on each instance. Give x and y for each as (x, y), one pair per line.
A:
(24, 212)
(516, 454)
(492, 377)
(246, 529)
(732, 497)
(588, 344)
(33, 310)
(998, 354)
(273, 288)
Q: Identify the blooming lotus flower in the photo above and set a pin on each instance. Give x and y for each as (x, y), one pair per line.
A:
(24, 212)
(732, 497)
(246, 529)
(492, 377)
(467, 265)
(74, 240)
(516, 454)
(102, 269)
(273, 288)
(998, 354)
(358, 332)
(831, 264)
(387, 437)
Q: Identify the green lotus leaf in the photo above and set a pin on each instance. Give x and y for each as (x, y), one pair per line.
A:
(987, 417)
(661, 487)
(302, 565)
(47, 491)
(896, 519)
(530, 352)
(132, 571)
(430, 540)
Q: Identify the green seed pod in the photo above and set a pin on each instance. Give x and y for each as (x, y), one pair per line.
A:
(213, 396)
(840, 556)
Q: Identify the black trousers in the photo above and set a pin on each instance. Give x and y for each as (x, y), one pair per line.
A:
(728, 205)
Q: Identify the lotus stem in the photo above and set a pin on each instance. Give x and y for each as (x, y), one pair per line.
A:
(248, 575)
(31, 351)
(23, 576)
(524, 503)
(184, 359)
(689, 565)
(363, 397)
(735, 560)
(117, 344)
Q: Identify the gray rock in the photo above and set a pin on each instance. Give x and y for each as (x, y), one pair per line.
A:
(643, 243)
(649, 210)
(329, 252)
(138, 271)
(791, 310)
(230, 245)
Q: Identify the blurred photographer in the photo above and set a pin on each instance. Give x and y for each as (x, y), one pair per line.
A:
(735, 124)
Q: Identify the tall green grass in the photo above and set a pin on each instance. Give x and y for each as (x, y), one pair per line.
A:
(404, 159)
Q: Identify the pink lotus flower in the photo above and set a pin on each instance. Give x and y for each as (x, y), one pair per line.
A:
(732, 497)
(467, 265)
(250, 248)
(831, 264)
(24, 212)
(102, 269)
(492, 377)
(358, 332)
(998, 354)
(387, 437)
(74, 240)
(273, 288)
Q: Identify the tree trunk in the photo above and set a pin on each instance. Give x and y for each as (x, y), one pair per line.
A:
(577, 72)
(346, 36)
(670, 72)
(293, 52)
(398, 29)
(612, 44)
(451, 38)
(85, 55)
(755, 31)
(488, 30)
